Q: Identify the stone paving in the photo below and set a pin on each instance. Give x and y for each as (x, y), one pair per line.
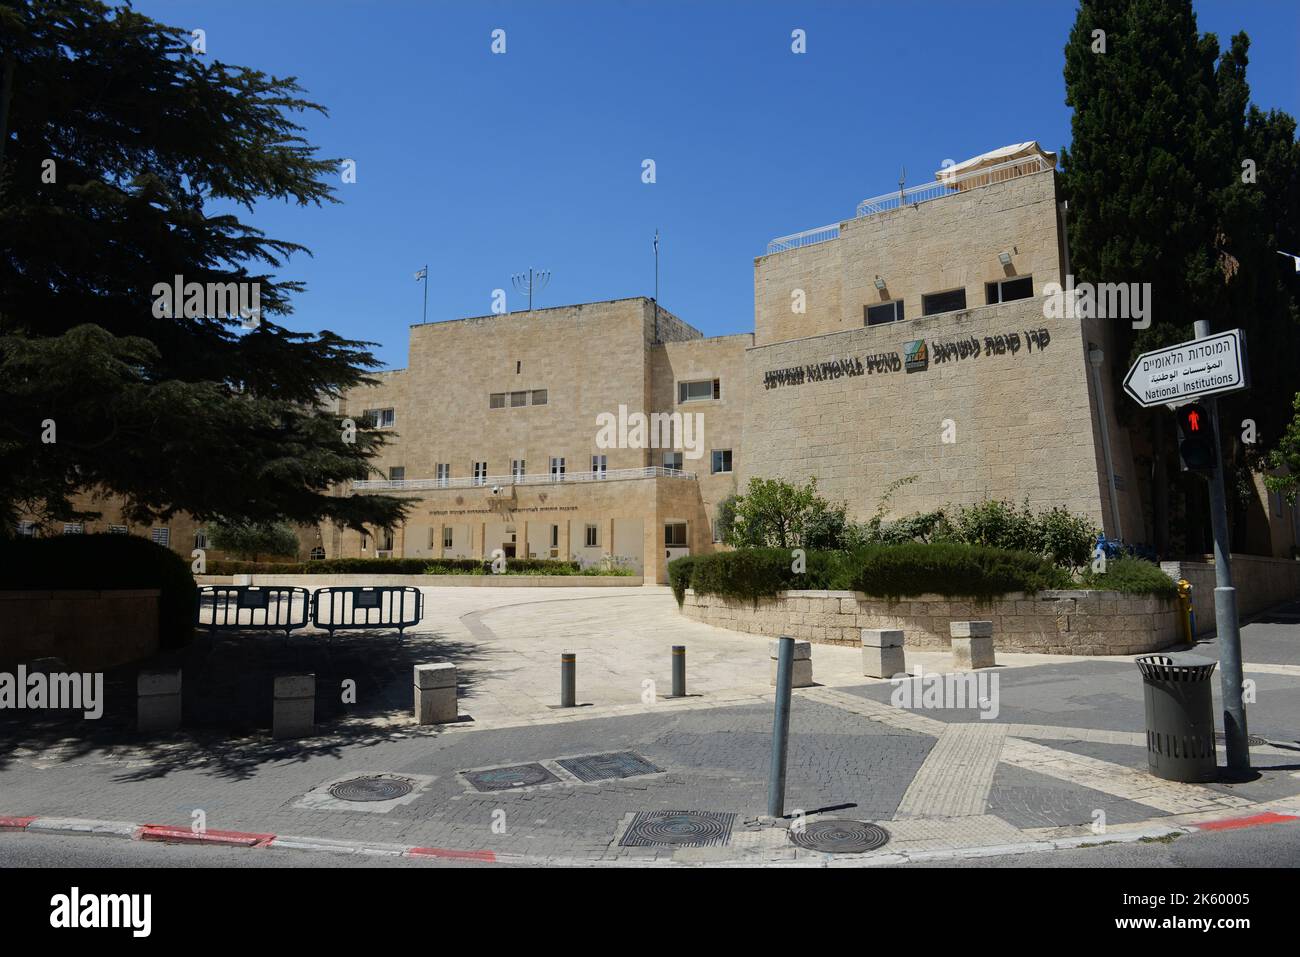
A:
(1065, 749)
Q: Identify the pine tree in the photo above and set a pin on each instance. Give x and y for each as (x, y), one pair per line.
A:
(118, 143)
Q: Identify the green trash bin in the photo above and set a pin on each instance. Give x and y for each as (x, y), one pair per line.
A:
(1180, 717)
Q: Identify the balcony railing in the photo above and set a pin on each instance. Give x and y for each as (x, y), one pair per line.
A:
(538, 478)
(915, 195)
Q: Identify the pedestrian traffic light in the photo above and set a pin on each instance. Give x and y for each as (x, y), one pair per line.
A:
(1196, 441)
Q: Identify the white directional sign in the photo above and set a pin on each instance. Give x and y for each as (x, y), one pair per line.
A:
(1190, 369)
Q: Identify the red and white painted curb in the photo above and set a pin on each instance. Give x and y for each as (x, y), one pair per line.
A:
(180, 834)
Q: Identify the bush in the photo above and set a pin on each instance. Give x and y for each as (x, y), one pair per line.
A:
(1133, 576)
(947, 568)
(680, 571)
(250, 541)
(96, 562)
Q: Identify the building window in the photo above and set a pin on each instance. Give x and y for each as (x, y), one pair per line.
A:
(673, 460)
(557, 469)
(497, 400)
(201, 538)
(1009, 290)
(447, 537)
(517, 399)
(555, 536)
(593, 537)
(443, 473)
(365, 541)
(317, 554)
(161, 536)
(717, 532)
(386, 539)
(539, 397)
(480, 473)
(721, 461)
(517, 467)
(27, 529)
(600, 465)
(675, 534)
(73, 528)
(122, 530)
(397, 473)
(936, 302)
(699, 391)
(883, 312)
(380, 418)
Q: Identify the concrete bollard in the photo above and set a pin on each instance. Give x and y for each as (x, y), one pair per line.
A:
(293, 713)
(568, 679)
(158, 701)
(435, 694)
(972, 644)
(882, 652)
(801, 666)
(679, 671)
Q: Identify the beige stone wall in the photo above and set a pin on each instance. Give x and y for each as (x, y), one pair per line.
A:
(1260, 583)
(1051, 622)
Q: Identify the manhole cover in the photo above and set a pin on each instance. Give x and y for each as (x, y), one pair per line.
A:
(840, 837)
(678, 829)
(1252, 740)
(605, 767)
(506, 779)
(371, 789)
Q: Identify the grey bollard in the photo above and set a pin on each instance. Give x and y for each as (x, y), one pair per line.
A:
(435, 694)
(882, 652)
(801, 669)
(158, 701)
(293, 713)
(972, 644)
(568, 679)
(679, 671)
(783, 649)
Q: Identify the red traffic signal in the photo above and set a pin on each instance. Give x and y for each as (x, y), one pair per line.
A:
(1196, 441)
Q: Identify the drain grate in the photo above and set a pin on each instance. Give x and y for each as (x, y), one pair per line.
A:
(509, 778)
(840, 837)
(607, 767)
(678, 829)
(1252, 740)
(371, 789)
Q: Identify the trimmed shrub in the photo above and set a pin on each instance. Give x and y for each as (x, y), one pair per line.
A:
(753, 573)
(1133, 576)
(947, 568)
(395, 566)
(680, 571)
(99, 562)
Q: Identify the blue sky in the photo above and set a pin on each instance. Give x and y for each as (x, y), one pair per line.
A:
(482, 165)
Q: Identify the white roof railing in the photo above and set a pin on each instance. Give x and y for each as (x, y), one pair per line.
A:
(538, 478)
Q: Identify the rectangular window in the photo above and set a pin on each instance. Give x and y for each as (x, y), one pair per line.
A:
(447, 537)
(699, 391)
(517, 399)
(397, 473)
(386, 539)
(73, 528)
(380, 418)
(517, 469)
(161, 536)
(555, 536)
(717, 532)
(539, 397)
(673, 460)
(27, 529)
(443, 473)
(721, 461)
(593, 537)
(497, 400)
(557, 469)
(600, 465)
(883, 312)
(937, 302)
(122, 530)
(201, 538)
(1009, 290)
(480, 473)
(675, 534)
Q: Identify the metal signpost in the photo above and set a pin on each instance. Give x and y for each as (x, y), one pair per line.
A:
(1173, 376)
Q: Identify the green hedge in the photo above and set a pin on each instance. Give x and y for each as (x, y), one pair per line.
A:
(395, 566)
(1133, 576)
(97, 562)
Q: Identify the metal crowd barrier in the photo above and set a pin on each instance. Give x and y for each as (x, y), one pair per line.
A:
(241, 607)
(371, 606)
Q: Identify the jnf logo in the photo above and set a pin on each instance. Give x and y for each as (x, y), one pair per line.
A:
(933, 691)
(103, 910)
(200, 300)
(658, 430)
(57, 690)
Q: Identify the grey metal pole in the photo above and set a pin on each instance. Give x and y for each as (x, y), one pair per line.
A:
(679, 671)
(780, 727)
(568, 679)
(1225, 604)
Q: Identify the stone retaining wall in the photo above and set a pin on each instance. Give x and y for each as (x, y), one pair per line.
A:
(87, 630)
(1260, 582)
(428, 581)
(1071, 622)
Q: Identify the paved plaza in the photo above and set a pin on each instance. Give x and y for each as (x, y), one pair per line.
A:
(1061, 764)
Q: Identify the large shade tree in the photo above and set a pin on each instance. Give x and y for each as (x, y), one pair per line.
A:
(1175, 179)
(127, 159)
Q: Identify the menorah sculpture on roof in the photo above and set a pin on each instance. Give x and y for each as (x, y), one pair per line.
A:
(530, 282)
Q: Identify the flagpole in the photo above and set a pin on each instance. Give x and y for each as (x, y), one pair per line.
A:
(424, 316)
